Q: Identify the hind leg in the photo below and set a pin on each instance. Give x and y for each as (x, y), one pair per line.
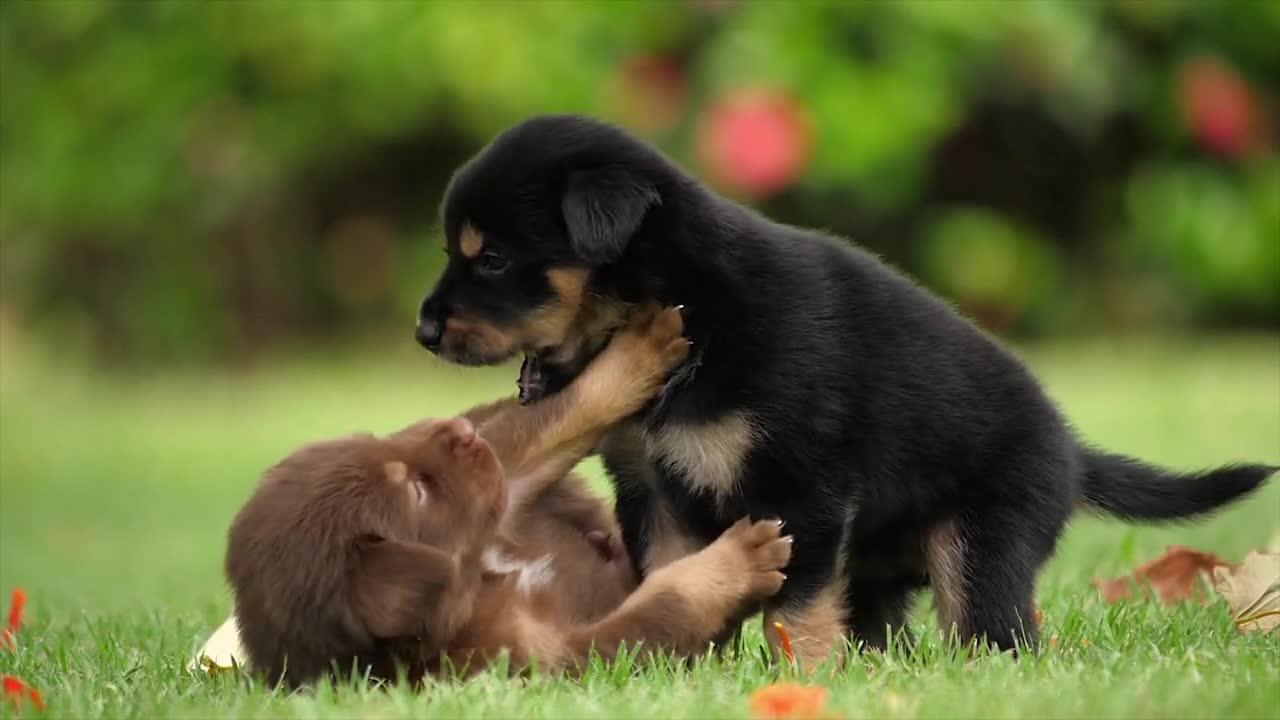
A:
(878, 610)
(983, 573)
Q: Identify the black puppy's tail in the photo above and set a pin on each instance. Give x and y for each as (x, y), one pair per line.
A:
(1133, 490)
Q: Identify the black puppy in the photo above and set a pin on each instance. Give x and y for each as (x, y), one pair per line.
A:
(902, 445)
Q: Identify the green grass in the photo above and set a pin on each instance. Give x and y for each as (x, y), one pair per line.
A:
(115, 494)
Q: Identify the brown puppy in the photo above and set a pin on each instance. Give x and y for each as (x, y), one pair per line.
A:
(372, 553)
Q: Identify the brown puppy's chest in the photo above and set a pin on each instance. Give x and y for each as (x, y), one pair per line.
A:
(588, 583)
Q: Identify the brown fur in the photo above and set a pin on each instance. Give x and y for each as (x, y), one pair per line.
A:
(337, 560)
(944, 558)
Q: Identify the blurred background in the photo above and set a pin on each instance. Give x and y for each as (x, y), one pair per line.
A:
(191, 181)
(217, 219)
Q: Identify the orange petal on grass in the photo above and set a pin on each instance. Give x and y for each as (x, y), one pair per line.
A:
(18, 692)
(785, 640)
(789, 701)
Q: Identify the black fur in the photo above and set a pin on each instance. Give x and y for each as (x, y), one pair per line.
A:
(884, 413)
(602, 210)
(1131, 489)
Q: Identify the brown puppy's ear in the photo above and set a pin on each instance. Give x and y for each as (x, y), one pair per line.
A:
(603, 209)
(398, 585)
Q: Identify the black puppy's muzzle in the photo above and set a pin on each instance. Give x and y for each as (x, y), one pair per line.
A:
(430, 330)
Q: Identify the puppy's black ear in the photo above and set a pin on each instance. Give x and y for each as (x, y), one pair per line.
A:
(399, 586)
(602, 209)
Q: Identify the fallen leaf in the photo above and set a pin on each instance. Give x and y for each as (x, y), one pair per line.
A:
(788, 701)
(1252, 589)
(1173, 576)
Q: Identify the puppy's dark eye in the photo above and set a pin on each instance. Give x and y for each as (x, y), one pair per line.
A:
(491, 263)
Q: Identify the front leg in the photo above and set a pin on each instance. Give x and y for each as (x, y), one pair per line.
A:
(812, 608)
(539, 443)
(684, 606)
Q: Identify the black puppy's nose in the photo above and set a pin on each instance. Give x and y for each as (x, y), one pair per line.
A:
(429, 332)
(431, 315)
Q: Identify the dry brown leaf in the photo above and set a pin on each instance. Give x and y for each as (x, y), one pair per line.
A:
(1173, 576)
(1252, 589)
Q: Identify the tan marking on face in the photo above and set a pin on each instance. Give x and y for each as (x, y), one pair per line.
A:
(464, 335)
(470, 242)
(816, 629)
(709, 456)
(562, 322)
(944, 559)
(552, 322)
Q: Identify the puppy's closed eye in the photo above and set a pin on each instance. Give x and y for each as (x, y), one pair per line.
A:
(418, 490)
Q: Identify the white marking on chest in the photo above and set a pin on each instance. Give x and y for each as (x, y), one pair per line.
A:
(532, 575)
(709, 456)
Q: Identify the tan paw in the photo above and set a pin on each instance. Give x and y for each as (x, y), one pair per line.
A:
(765, 552)
(654, 339)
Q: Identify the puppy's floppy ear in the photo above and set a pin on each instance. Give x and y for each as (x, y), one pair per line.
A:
(398, 585)
(602, 209)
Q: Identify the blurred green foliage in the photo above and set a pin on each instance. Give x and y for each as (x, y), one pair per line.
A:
(197, 180)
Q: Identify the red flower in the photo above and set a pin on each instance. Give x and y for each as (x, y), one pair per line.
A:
(8, 637)
(754, 141)
(19, 692)
(1219, 106)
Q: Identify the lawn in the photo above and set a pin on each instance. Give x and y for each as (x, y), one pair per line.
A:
(116, 492)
